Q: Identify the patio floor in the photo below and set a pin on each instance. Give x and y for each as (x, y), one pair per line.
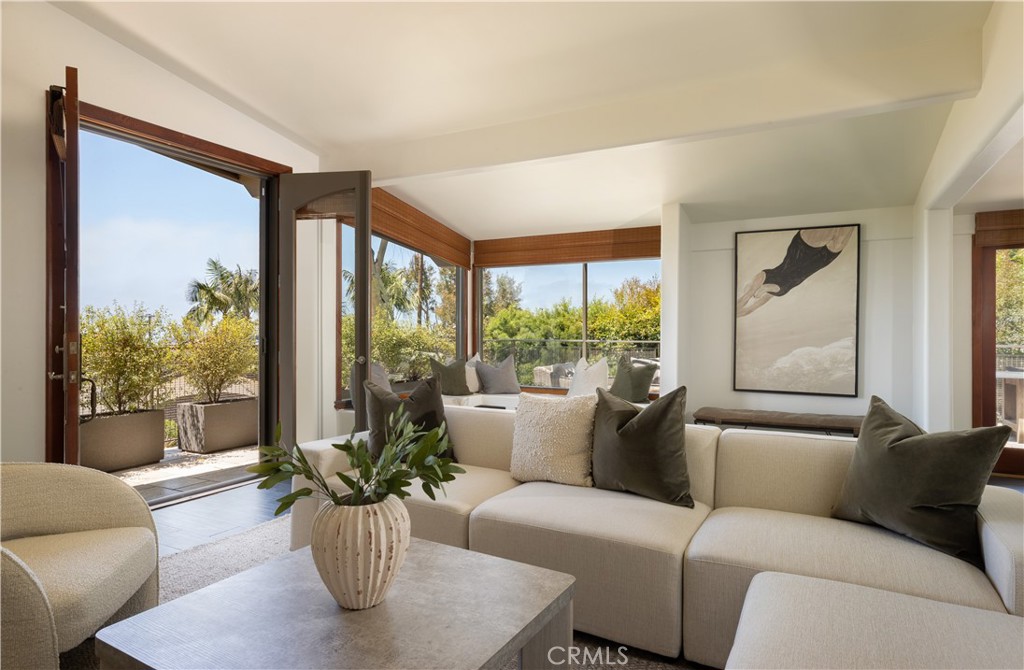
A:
(181, 473)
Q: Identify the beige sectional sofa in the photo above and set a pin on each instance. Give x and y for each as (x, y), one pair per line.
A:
(666, 578)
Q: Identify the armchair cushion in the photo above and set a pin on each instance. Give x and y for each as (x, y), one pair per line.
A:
(87, 576)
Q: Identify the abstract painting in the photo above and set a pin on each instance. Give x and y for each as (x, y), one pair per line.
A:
(796, 313)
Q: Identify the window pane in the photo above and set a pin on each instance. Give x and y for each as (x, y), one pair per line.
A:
(534, 313)
(1010, 340)
(414, 310)
(624, 312)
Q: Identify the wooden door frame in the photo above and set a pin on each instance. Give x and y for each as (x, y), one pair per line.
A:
(993, 231)
(151, 136)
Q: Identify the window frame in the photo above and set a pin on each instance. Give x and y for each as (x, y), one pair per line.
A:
(992, 231)
(557, 249)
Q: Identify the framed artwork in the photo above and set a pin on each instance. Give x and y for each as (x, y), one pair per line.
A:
(796, 312)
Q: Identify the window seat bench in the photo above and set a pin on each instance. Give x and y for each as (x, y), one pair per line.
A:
(760, 418)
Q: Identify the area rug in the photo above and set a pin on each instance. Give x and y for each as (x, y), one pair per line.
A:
(195, 568)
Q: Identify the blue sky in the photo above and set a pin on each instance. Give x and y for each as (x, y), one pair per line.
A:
(148, 224)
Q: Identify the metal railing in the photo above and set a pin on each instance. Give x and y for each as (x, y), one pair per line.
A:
(1008, 357)
(531, 355)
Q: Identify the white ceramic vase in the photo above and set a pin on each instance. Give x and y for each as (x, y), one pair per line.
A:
(359, 550)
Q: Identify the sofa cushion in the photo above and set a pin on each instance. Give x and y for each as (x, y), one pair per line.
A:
(452, 376)
(625, 551)
(633, 380)
(788, 472)
(424, 407)
(481, 436)
(736, 543)
(500, 379)
(88, 575)
(926, 486)
(553, 438)
(446, 520)
(642, 452)
(790, 621)
(586, 379)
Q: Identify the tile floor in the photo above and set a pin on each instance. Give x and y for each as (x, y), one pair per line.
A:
(214, 517)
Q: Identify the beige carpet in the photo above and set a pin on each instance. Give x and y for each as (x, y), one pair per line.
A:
(194, 568)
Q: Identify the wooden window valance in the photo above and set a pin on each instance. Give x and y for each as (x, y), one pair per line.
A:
(402, 223)
(999, 229)
(591, 246)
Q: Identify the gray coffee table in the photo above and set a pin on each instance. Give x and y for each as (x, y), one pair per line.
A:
(448, 608)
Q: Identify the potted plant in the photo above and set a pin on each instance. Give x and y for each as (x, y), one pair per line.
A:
(125, 361)
(211, 356)
(360, 537)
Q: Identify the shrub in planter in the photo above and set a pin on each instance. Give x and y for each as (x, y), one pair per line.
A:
(126, 354)
(211, 357)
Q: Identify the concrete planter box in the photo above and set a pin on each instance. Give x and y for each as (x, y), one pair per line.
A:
(113, 442)
(208, 427)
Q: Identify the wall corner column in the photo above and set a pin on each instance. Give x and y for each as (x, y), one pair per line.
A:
(933, 324)
(675, 296)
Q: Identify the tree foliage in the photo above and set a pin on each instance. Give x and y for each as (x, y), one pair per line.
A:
(633, 314)
(125, 352)
(225, 292)
(1010, 296)
(213, 355)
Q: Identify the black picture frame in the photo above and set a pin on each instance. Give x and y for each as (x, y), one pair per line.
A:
(796, 314)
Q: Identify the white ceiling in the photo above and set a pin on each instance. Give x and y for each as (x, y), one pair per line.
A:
(1001, 188)
(507, 119)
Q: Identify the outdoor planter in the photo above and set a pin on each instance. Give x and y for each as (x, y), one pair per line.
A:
(112, 442)
(207, 427)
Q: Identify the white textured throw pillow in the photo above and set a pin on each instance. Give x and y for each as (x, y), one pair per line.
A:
(553, 438)
(472, 378)
(586, 379)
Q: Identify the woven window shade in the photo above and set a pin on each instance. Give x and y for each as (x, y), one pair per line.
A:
(402, 223)
(591, 246)
(999, 229)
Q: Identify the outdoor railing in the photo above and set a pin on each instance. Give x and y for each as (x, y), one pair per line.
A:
(1008, 357)
(537, 353)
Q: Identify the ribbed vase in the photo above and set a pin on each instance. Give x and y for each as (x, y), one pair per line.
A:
(359, 550)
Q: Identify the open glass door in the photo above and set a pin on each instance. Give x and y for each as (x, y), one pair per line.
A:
(62, 335)
(305, 203)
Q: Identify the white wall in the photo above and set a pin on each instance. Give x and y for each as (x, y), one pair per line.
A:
(978, 133)
(706, 328)
(38, 41)
(961, 316)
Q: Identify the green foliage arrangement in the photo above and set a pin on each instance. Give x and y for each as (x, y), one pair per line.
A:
(126, 353)
(409, 453)
(213, 355)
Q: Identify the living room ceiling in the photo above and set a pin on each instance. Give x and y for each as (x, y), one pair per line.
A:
(519, 118)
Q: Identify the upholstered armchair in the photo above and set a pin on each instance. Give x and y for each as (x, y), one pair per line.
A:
(79, 551)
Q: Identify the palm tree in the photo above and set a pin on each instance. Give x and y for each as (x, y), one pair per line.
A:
(235, 292)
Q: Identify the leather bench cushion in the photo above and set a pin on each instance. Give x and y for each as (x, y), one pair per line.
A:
(88, 575)
(791, 621)
(625, 551)
(736, 543)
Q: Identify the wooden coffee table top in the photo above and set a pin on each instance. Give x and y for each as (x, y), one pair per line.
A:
(448, 608)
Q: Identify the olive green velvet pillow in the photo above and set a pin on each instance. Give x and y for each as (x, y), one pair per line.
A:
(423, 405)
(926, 486)
(633, 380)
(643, 452)
(452, 376)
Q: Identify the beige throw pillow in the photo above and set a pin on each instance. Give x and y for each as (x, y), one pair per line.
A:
(552, 439)
(586, 379)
